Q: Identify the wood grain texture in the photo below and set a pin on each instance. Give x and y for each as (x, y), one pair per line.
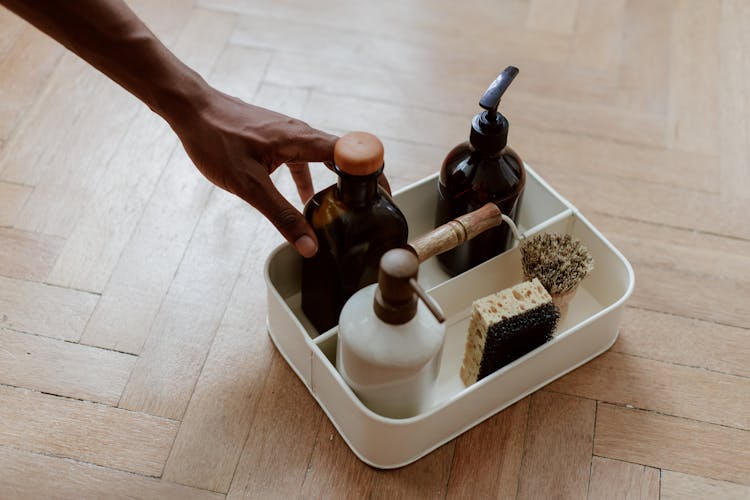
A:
(426, 478)
(684, 341)
(48, 121)
(331, 472)
(734, 99)
(556, 16)
(164, 376)
(493, 471)
(635, 110)
(93, 249)
(88, 432)
(153, 251)
(12, 199)
(616, 479)
(149, 261)
(670, 389)
(643, 73)
(240, 346)
(63, 368)
(672, 443)
(24, 72)
(557, 449)
(11, 27)
(45, 310)
(693, 95)
(228, 391)
(280, 441)
(27, 256)
(64, 478)
(675, 485)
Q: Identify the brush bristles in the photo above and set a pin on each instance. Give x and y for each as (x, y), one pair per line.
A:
(559, 261)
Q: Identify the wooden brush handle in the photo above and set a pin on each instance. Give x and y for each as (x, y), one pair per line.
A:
(453, 233)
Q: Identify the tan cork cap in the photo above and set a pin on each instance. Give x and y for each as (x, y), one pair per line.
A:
(358, 153)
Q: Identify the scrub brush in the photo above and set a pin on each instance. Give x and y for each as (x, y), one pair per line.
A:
(559, 261)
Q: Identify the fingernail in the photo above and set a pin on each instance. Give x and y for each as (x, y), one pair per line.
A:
(306, 246)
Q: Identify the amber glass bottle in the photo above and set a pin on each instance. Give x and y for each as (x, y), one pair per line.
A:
(356, 222)
(479, 171)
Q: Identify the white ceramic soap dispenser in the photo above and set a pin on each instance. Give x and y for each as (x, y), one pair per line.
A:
(390, 343)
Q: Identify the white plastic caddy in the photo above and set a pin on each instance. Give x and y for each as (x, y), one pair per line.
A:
(589, 329)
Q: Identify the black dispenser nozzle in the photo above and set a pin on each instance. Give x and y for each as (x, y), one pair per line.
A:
(489, 129)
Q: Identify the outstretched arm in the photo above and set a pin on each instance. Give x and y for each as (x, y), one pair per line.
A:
(234, 144)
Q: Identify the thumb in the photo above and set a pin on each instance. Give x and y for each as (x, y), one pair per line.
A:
(287, 219)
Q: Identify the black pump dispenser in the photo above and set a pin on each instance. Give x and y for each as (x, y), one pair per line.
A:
(489, 129)
(481, 170)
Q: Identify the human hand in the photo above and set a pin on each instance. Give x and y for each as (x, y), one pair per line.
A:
(237, 146)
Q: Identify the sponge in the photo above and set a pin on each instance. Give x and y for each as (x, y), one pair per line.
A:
(505, 326)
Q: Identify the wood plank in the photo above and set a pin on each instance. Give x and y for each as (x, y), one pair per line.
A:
(734, 100)
(556, 16)
(12, 199)
(280, 441)
(550, 151)
(616, 479)
(166, 19)
(171, 360)
(222, 407)
(672, 443)
(408, 162)
(95, 245)
(425, 478)
(147, 265)
(226, 397)
(487, 459)
(557, 452)
(677, 486)
(11, 27)
(236, 348)
(421, 44)
(693, 95)
(103, 119)
(645, 57)
(385, 120)
(457, 92)
(30, 475)
(442, 17)
(49, 121)
(334, 471)
(671, 262)
(605, 121)
(44, 310)
(684, 341)
(69, 172)
(63, 368)
(28, 256)
(634, 200)
(89, 432)
(670, 389)
(597, 42)
(24, 72)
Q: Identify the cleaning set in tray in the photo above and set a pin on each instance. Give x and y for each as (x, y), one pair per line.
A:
(406, 342)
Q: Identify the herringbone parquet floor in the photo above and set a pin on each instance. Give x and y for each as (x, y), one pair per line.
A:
(134, 360)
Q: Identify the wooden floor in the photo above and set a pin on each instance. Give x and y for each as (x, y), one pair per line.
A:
(134, 360)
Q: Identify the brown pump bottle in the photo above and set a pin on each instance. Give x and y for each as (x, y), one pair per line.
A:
(356, 222)
(479, 171)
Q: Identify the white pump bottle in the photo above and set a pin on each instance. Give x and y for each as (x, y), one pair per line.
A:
(390, 344)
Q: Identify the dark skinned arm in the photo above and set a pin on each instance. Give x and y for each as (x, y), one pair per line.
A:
(234, 144)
